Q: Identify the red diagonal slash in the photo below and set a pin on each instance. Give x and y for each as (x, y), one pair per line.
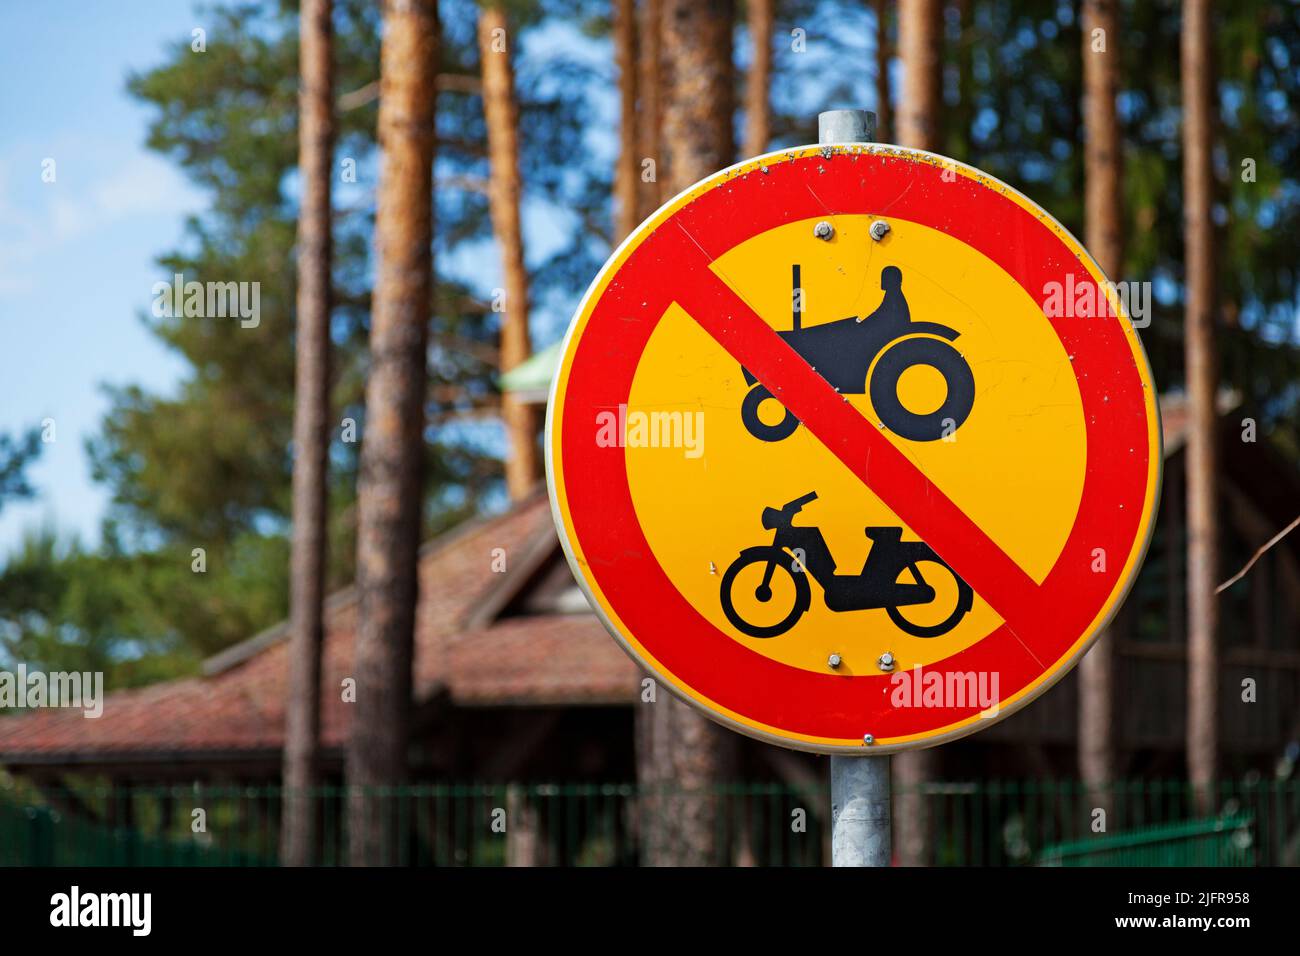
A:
(857, 443)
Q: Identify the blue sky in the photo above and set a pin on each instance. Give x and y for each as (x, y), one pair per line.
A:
(76, 255)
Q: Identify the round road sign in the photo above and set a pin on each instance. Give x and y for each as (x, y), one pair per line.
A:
(853, 443)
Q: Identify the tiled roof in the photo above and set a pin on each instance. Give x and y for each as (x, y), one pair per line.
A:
(238, 706)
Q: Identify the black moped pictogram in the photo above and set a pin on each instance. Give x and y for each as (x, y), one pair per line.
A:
(857, 355)
(798, 550)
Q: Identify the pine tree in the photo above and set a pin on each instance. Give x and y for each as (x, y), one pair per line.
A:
(523, 459)
(627, 168)
(1202, 385)
(1104, 239)
(389, 492)
(679, 750)
(310, 434)
(920, 124)
(758, 83)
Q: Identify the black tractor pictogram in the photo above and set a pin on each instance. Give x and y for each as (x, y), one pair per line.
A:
(869, 355)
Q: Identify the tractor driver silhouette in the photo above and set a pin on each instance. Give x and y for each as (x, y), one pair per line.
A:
(892, 313)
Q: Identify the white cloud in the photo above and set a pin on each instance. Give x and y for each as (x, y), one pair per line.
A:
(68, 218)
(144, 187)
(46, 215)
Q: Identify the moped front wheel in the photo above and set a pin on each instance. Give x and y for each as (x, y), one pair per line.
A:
(754, 423)
(924, 620)
(765, 610)
(922, 426)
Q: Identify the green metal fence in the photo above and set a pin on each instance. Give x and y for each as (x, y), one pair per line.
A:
(1214, 841)
(539, 824)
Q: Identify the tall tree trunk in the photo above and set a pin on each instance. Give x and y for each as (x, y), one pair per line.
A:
(758, 111)
(682, 755)
(697, 109)
(920, 48)
(298, 832)
(650, 122)
(1103, 213)
(524, 845)
(523, 461)
(912, 771)
(883, 118)
(389, 490)
(628, 171)
(1202, 383)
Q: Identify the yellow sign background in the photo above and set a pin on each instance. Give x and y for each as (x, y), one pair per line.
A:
(1016, 466)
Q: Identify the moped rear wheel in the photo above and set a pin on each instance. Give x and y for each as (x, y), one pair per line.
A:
(786, 586)
(948, 362)
(759, 428)
(947, 585)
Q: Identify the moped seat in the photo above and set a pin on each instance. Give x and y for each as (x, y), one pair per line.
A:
(887, 535)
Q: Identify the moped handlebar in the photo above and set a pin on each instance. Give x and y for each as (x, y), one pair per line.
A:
(794, 507)
(774, 518)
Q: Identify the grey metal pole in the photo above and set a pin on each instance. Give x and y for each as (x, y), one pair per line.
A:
(860, 798)
(846, 126)
(860, 792)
